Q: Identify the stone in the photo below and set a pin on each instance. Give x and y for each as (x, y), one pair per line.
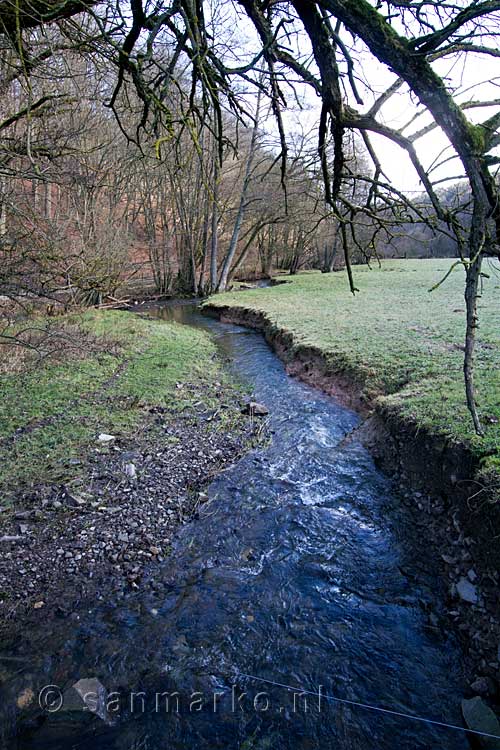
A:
(472, 575)
(87, 694)
(467, 591)
(25, 698)
(433, 619)
(130, 455)
(482, 686)
(22, 515)
(73, 501)
(254, 409)
(130, 471)
(449, 560)
(105, 438)
(480, 718)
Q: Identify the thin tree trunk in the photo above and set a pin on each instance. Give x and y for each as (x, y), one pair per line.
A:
(473, 275)
(48, 200)
(3, 206)
(245, 250)
(214, 243)
(333, 255)
(204, 241)
(221, 286)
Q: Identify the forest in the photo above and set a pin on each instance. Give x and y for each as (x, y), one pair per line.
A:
(89, 210)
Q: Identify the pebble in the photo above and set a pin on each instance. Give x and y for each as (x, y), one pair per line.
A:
(255, 409)
(467, 591)
(130, 471)
(448, 559)
(105, 438)
(482, 686)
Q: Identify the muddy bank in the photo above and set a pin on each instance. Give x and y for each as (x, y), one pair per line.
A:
(437, 481)
(102, 538)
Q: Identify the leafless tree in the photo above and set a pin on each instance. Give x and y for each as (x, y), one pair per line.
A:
(326, 46)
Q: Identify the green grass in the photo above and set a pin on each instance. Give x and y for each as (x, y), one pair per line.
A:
(400, 341)
(53, 413)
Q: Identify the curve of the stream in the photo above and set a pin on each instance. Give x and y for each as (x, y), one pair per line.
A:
(303, 569)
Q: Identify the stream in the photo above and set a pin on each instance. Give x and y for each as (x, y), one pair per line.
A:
(302, 578)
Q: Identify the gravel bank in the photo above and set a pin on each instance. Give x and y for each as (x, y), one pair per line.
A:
(105, 535)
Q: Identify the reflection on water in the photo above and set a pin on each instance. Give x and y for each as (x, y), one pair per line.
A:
(293, 574)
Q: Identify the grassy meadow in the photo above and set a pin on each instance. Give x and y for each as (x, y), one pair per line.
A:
(402, 341)
(109, 368)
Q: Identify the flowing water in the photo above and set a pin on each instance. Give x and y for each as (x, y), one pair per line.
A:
(304, 570)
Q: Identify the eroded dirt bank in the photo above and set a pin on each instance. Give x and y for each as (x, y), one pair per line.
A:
(437, 481)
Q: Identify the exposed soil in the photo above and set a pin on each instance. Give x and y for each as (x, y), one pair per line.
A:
(101, 538)
(436, 479)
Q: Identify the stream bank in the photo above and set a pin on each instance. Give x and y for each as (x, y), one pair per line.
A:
(104, 454)
(63, 549)
(300, 572)
(436, 478)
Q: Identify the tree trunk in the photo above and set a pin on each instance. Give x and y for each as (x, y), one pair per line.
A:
(214, 243)
(473, 275)
(48, 200)
(3, 206)
(331, 254)
(221, 286)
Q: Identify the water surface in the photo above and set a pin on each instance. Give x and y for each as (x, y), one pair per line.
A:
(303, 569)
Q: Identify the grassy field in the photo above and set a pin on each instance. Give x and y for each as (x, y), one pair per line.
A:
(109, 370)
(401, 340)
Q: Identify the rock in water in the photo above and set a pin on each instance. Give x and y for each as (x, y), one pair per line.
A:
(483, 686)
(467, 591)
(87, 694)
(479, 717)
(254, 409)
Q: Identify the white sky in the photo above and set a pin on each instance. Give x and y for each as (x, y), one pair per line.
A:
(472, 77)
(401, 108)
